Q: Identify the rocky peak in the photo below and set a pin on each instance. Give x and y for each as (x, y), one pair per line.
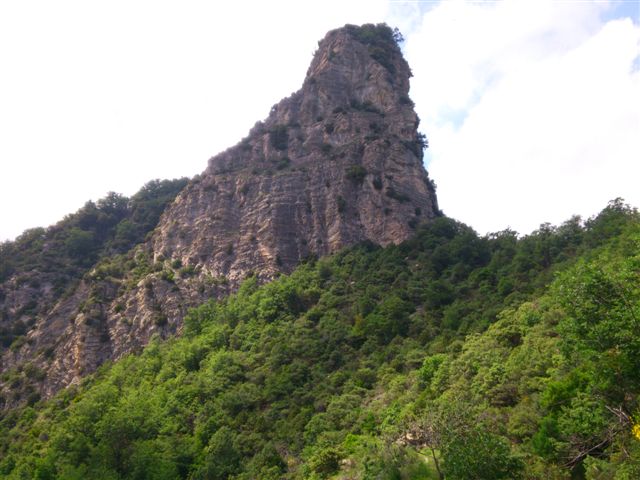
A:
(337, 163)
(353, 68)
(357, 64)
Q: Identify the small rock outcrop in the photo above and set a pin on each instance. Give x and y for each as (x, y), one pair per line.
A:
(337, 163)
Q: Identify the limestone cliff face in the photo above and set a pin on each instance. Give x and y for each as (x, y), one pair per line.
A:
(337, 163)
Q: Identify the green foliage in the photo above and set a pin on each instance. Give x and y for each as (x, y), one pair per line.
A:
(393, 193)
(279, 137)
(418, 145)
(381, 41)
(222, 458)
(145, 206)
(497, 356)
(430, 366)
(324, 461)
(389, 319)
(114, 223)
(79, 243)
(283, 163)
(478, 454)
(356, 173)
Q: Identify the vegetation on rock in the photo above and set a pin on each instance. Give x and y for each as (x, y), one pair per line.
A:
(60, 255)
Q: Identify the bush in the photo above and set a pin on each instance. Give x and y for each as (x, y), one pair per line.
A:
(356, 173)
(325, 461)
(478, 454)
(283, 163)
(160, 319)
(381, 41)
(168, 276)
(365, 107)
(392, 193)
(279, 137)
(79, 243)
(430, 366)
(404, 100)
(187, 271)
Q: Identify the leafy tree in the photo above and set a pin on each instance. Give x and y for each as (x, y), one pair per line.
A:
(80, 243)
(480, 455)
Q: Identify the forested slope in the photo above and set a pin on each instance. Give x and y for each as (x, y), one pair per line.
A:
(450, 355)
(42, 264)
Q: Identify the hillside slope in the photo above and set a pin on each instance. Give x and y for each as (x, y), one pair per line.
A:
(496, 356)
(43, 268)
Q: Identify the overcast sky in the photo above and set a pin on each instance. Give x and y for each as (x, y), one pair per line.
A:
(532, 108)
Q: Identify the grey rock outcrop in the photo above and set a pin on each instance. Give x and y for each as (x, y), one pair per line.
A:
(337, 163)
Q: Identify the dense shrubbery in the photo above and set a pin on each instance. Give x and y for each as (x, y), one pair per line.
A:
(279, 137)
(449, 350)
(356, 173)
(111, 225)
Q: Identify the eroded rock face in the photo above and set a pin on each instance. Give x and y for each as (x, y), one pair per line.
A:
(337, 163)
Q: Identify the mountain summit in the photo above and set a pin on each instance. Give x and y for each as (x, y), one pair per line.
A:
(337, 163)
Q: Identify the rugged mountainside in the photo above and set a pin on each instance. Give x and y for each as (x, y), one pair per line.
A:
(42, 268)
(337, 163)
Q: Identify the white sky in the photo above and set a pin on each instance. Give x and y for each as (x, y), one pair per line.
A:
(532, 108)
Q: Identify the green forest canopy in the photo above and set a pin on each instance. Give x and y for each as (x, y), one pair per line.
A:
(449, 356)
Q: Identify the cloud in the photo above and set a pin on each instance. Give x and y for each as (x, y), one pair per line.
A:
(532, 110)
